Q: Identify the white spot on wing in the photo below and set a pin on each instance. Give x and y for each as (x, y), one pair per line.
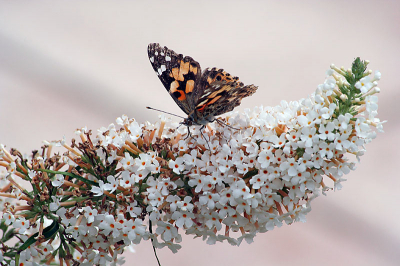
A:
(163, 68)
(156, 53)
(203, 102)
(167, 58)
(152, 59)
(159, 71)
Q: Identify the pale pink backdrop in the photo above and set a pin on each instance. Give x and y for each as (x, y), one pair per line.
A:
(70, 64)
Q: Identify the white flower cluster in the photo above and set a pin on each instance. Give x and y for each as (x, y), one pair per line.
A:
(247, 180)
(261, 169)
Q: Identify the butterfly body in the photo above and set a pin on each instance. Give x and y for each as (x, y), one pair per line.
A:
(202, 95)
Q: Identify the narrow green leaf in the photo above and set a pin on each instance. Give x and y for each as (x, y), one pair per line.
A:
(48, 232)
(17, 259)
(3, 226)
(250, 174)
(84, 180)
(10, 234)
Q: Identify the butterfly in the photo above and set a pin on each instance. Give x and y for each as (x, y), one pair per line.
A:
(202, 95)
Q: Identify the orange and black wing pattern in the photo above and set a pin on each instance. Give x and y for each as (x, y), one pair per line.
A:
(178, 74)
(220, 93)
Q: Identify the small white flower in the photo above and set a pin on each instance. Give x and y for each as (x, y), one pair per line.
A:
(128, 161)
(8, 218)
(185, 204)
(177, 166)
(258, 181)
(76, 230)
(212, 220)
(47, 249)
(265, 157)
(182, 145)
(364, 85)
(165, 185)
(290, 166)
(112, 185)
(166, 230)
(90, 214)
(134, 210)
(183, 218)
(55, 204)
(371, 103)
(109, 225)
(135, 130)
(190, 159)
(22, 224)
(143, 161)
(135, 229)
(209, 199)
(308, 135)
(199, 181)
(127, 180)
(98, 191)
(326, 131)
(240, 189)
(272, 222)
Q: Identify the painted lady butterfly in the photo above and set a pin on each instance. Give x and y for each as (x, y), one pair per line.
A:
(201, 95)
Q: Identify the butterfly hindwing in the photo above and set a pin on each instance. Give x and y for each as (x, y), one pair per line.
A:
(179, 75)
(220, 93)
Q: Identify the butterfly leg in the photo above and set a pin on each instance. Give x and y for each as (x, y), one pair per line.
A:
(222, 123)
(189, 133)
(201, 132)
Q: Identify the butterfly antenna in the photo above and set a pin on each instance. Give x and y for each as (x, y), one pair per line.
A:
(151, 108)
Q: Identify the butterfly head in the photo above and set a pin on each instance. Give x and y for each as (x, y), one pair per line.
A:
(194, 120)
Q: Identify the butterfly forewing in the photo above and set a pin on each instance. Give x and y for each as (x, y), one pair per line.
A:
(178, 74)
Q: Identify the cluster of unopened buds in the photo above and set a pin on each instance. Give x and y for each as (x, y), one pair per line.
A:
(131, 182)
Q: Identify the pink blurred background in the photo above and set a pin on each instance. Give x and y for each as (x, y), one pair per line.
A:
(70, 64)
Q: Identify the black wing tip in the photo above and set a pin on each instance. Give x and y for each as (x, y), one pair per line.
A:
(153, 47)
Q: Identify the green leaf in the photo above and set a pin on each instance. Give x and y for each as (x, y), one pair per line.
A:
(61, 251)
(250, 174)
(300, 151)
(163, 154)
(48, 233)
(17, 259)
(84, 180)
(3, 226)
(10, 234)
